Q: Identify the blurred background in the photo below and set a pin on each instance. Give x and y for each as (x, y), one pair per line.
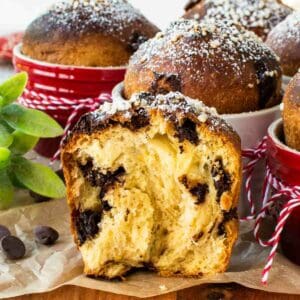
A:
(16, 14)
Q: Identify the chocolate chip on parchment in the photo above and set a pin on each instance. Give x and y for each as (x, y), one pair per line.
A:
(13, 247)
(45, 235)
(4, 231)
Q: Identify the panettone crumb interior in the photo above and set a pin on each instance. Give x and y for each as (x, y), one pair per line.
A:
(161, 208)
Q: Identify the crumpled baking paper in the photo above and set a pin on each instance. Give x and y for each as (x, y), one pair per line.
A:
(46, 268)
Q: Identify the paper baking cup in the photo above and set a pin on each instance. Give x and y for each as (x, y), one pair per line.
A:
(70, 82)
(251, 127)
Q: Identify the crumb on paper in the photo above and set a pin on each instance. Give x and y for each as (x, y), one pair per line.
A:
(162, 287)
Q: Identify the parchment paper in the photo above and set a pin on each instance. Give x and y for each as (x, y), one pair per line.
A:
(47, 268)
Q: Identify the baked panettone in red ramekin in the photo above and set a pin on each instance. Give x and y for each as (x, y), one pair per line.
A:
(88, 33)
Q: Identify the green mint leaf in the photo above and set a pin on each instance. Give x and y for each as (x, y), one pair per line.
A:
(13, 88)
(31, 122)
(22, 143)
(6, 138)
(6, 190)
(5, 155)
(38, 178)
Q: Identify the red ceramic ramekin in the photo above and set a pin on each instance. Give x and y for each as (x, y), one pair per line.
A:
(284, 162)
(70, 82)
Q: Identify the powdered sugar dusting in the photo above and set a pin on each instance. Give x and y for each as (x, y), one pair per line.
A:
(251, 14)
(111, 17)
(170, 103)
(219, 46)
(289, 29)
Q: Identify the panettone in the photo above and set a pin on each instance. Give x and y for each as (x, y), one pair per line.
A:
(153, 183)
(222, 64)
(89, 33)
(284, 39)
(259, 16)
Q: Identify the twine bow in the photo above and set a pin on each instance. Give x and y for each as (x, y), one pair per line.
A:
(290, 194)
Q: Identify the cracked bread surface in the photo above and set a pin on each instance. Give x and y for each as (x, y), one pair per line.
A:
(153, 183)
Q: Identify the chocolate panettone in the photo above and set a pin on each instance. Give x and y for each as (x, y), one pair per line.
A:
(259, 16)
(284, 39)
(223, 65)
(291, 113)
(88, 33)
(153, 182)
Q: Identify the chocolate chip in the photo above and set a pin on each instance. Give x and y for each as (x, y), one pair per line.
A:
(222, 179)
(136, 40)
(267, 84)
(45, 235)
(165, 83)
(227, 216)
(139, 119)
(106, 206)
(98, 179)
(4, 231)
(200, 191)
(13, 247)
(86, 224)
(187, 131)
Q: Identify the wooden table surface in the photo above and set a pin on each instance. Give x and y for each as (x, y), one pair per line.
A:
(207, 292)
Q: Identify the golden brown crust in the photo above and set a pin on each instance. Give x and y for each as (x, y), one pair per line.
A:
(284, 39)
(259, 16)
(291, 113)
(221, 65)
(101, 34)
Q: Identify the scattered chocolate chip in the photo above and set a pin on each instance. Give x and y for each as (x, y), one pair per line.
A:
(227, 216)
(106, 206)
(139, 119)
(266, 84)
(222, 179)
(200, 191)
(38, 198)
(4, 231)
(136, 40)
(86, 224)
(165, 83)
(187, 131)
(13, 247)
(45, 235)
(98, 179)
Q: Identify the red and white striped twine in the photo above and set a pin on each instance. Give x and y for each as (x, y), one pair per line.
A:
(288, 198)
(53, 105)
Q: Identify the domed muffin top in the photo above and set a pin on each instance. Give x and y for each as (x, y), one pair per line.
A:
(220, 63)
(219, 46)
(259, 16)
(74, 18)
(292, 94)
